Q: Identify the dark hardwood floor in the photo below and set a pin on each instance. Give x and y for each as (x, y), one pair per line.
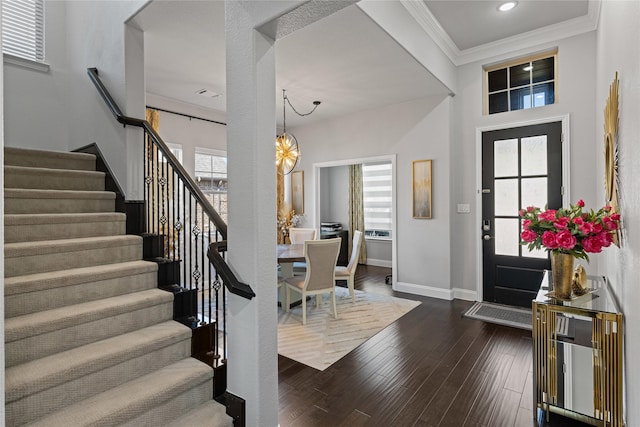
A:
(432, 368)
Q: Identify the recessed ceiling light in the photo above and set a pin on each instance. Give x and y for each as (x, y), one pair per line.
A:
(507, 6)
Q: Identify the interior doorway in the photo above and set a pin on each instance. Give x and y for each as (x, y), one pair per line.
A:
(331, 205)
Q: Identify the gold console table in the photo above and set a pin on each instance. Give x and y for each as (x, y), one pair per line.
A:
(577, 355)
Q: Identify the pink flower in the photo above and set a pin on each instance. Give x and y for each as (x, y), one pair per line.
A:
(566, 240)
(561, 223)
(526, 223)
(605, 239)
(615, 216)
(580, 203)
(549, 240)
(609, 223)
(549, 215)
(521, 212)
(577, 220)
(530, 208)
(592, 245)
(607, 208)
(586, 228)
(597, 227)
(528, 236)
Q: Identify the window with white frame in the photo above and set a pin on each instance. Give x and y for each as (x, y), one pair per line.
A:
(377, 190)
(211, 177)
(176, 150)
(23, 29)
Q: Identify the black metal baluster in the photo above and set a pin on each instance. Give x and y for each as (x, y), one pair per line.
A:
(162, 219)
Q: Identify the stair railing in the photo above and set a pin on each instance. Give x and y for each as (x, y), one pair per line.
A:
(177, 210)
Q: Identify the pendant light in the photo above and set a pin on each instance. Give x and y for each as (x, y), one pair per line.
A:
(287, 151)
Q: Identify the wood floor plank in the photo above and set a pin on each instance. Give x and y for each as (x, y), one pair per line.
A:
(431, 368)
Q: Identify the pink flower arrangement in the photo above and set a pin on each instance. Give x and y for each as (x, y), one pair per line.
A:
(569, 230)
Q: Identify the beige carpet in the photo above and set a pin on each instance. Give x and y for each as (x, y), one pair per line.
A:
(324, 340)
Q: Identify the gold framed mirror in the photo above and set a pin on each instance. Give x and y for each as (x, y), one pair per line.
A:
(611, 120)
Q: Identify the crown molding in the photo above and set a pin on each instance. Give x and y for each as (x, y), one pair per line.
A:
(573, 27)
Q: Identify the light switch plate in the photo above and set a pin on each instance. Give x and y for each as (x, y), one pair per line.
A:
(463, 208)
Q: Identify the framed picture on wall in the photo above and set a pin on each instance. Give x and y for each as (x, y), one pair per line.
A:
(421, 181)
(297, 192)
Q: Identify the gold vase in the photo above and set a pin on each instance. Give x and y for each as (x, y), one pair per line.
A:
(562, 274)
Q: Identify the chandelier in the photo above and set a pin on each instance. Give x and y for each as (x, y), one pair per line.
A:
(287, 151)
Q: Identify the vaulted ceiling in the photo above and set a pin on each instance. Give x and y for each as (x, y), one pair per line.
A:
(345, 60)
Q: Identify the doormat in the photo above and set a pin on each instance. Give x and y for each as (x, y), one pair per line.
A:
(500, 314)
(516, 317)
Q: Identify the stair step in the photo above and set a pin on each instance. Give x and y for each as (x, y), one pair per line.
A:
(210, 413)
(92, 369)
(53, 179)
(146, 401)
(34, 335)
(34, 227)
(48, 159)
(45, 291)
(28, 201)
(56, 255)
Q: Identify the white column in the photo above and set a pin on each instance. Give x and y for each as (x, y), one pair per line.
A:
(252, 346)
(135, 98)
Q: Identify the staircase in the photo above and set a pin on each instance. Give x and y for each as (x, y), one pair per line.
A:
(89, 339)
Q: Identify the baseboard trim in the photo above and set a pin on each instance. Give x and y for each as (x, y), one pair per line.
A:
(465, 294)
(236, 409)
(379, 262)
(424, 290)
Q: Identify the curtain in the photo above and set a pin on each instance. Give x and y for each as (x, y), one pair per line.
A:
(153, 117)
(356, 208)
(279, 202)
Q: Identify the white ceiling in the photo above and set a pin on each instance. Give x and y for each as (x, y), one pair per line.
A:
(345, 60)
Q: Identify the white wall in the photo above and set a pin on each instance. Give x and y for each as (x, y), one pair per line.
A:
(190, 133)
(617, 50)
(36, 104)
(413, 130)
(336, 200)
(575, 96)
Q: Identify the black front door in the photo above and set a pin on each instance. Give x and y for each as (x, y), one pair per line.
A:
(520, 167)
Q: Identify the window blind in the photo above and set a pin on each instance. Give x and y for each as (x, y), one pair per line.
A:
(23, 28)
(377, 197)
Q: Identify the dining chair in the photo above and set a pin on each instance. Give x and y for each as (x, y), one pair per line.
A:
(348, 273)
(321, 257)
(299, 235)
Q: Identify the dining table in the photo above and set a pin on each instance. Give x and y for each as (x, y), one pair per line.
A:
(287, 255)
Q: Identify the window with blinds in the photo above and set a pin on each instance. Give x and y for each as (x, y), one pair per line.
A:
(23, 29)
(211, 177)
(377, 194)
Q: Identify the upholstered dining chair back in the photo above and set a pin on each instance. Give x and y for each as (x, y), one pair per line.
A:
(355, 250)
(348, 273)
(300, 235)
(321, 257)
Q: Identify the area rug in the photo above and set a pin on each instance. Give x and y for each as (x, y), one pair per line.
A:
(324, 340)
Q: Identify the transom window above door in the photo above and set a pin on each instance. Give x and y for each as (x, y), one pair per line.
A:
(521, 84)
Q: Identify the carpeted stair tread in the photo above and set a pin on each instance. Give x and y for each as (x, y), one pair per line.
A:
(17, 328)
(51, 226)
(130, 400)
(57, 279)
(210, 413)
(29, 201)
(52, 179)
(47, 247)
(56, 369)
(49, 159)
(62, 218)
(30, 193)
(54, 255)
(46, 291)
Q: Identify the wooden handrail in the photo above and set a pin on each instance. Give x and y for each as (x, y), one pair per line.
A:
(231, 282)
